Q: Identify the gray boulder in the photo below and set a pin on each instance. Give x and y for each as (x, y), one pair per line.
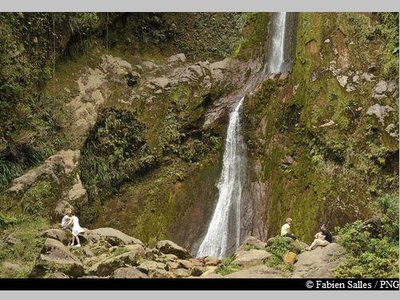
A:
(320, 262)
(112, 236)
(250, 258)
(129, 272)
(169, 247)
(55, 257)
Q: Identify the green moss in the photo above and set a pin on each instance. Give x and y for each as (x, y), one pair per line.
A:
(40, 199)
(25, 251)
(333, 167)
(253, 36)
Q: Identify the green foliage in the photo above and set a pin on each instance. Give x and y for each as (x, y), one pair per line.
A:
(371, 255)
(249, 247)
(389, 204)
(281, 245)
(277, 263)
(227, 267)
(27, 247)
(38, 200)
(388, 31)
(114, 152)
(6, 220)
(255, 31)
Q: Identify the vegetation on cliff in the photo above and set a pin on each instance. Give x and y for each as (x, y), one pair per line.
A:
(131, 93)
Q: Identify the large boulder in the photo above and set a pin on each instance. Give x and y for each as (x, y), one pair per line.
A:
(251, 258)
(259, 271)
(169, 247)
(112, 236)
(115, 65)
(177, 58)
(149, 265)
(61, 163)
(55, 257)
(58, 234)
(106, 267)
(129, 272)
(319, 263)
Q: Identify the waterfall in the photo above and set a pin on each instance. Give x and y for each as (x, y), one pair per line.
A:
(223, 232)
(276, 57)
(227, 212)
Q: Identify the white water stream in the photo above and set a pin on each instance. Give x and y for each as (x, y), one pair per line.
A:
(224, 229)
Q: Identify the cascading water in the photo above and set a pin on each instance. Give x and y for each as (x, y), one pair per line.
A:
(223, 232)
(230, 187)
(276, 57)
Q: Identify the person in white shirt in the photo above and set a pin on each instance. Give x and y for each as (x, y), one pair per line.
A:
(70, 222)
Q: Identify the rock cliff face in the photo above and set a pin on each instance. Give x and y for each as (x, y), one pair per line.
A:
(129, 127)
(322, 142)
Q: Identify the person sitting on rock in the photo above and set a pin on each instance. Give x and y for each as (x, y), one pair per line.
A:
(322, 238)
(285, 230)
(70, 222)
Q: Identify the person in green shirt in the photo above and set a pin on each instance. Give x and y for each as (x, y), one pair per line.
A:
(285, 230)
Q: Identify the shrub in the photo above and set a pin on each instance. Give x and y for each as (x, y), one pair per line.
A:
(369, 255)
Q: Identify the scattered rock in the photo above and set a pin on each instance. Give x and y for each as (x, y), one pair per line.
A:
(211, 261)
(177, 58)
(367, 77)
(181, 273)
(57, 275)
(169, 247)
(185, 264)
(149, 65)
(251, 257)
(197, 271)
(150, 265)
(260, 271)
(381, 112)
(381, 87)
(107, 266)
(392, 130)
(160, 273)
(328, 124)
(288, 160)
(161, 82)
(391, 86)
(342, 79)
(128, 272)
(115, 65)
(171, 265)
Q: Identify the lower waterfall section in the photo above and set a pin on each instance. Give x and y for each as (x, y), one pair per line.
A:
(224, 229)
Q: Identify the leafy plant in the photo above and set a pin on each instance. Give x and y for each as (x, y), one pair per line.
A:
(227, 266)
(372, 255)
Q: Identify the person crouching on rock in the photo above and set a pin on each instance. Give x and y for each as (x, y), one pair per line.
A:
(322, 238)
(70, 222)
(285, 230)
